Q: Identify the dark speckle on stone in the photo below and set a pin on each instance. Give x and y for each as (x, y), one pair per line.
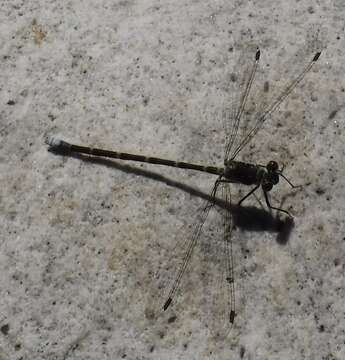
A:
(242, 351)
(5, 328)
(24, 93)
(172, 319)
(233, 77)
(320, 191)
(11, 102)
(332, 114)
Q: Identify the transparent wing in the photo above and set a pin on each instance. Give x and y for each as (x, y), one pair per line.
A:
(189, 250)
(239, 85)
(305, 58)
(219, 282)
(203, 285)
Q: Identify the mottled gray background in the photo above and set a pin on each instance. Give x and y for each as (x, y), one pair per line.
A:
(80, 241)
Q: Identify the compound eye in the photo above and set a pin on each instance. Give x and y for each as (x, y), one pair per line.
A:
(272, 166)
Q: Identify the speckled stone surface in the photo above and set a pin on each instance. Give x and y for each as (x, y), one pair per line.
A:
(82, 242)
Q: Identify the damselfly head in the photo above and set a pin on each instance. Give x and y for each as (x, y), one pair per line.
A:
(272, 166)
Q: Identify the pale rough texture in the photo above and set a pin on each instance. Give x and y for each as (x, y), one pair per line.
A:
(80, 241)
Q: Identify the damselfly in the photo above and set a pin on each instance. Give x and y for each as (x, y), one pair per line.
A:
(232, 171)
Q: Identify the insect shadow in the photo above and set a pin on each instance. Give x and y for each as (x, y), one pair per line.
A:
(247, 218)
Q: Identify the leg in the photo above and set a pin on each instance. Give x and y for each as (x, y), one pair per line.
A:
(211, 202)
(289, 182)
(280, 172)
(275, 208)
(250, 192)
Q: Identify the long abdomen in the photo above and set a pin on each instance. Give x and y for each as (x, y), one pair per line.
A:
(65, 147)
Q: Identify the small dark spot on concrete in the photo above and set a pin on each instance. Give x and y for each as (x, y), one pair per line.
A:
(338, 37)
(123, 356)
(24, 93)
(5, 328)
(311, 10)
(242, 351)
(321, 328)
(172, 319)
(185, 346)
(17, 347)
(336, 262)
(320, 191)
(332, 114)
(152, 347)
(233, 77)
(287, 114)
(11, 102)
(266, 86)
(231, 49)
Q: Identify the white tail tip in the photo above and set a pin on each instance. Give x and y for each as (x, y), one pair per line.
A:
(53, 142)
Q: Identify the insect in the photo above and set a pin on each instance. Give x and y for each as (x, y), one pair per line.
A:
(232, 171)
